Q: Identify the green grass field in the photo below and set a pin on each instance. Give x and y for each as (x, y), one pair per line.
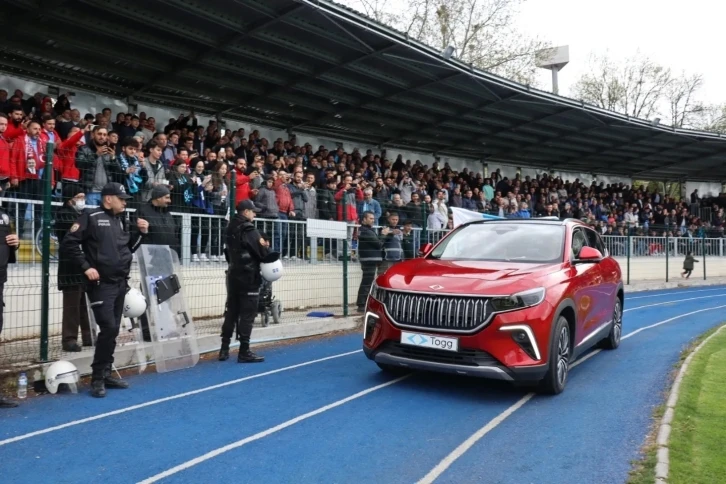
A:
(643, 470)
(698, 437)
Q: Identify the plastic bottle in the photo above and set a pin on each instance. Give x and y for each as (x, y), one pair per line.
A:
(22, 386)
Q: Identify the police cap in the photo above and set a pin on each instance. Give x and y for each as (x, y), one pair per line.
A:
(115, 189)
(248, 205)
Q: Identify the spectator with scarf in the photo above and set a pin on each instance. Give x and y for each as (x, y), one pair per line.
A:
(135, 174)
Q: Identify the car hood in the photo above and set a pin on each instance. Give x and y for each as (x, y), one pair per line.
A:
(465, 277)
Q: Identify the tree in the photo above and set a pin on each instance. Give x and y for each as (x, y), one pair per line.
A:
(683, 106)
(481, 31)
(636, 88)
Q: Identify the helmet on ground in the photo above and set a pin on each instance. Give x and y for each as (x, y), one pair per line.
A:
(59, 373)
(134, 303)
(271, 267)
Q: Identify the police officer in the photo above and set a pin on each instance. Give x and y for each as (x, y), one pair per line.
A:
(100, 244)
(8, 245)
(245, 250)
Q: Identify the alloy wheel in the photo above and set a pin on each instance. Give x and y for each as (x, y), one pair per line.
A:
(563, 353)
(617, 321)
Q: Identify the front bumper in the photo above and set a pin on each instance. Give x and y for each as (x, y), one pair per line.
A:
(477, 364)
(490, 353)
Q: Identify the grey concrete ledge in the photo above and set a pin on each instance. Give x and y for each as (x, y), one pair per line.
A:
(664, 430)
(639, 286)
(132, 355)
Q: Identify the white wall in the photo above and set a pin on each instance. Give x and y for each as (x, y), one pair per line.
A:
(704, 189)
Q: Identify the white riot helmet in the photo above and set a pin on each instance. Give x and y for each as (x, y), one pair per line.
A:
(271, 267)
(134, 303)
(61, 372)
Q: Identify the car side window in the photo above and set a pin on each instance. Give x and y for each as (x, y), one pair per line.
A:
(594, 241)
(579, 240)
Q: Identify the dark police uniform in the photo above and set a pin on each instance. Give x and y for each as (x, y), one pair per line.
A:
(7, 256)
(107, 247)
(244, 253)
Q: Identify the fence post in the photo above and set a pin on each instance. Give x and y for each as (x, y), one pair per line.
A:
(703, 250)
(345, 255)
(667, 251)
(630, 243)
(45, 261)
(231, 200)
(424, 226)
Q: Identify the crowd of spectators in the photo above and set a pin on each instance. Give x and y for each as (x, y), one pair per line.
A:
(291, 181)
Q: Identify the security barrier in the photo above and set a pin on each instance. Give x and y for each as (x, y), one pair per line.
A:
(322, 275)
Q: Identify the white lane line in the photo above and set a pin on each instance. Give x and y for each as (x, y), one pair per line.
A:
(168, 399)
(270, 431)
(665, 303)
(672, 293)
(479, 434)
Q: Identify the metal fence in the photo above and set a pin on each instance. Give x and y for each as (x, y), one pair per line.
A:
(322, 275)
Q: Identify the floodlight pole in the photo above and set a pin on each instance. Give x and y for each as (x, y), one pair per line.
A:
(555, 86)
(554, 59)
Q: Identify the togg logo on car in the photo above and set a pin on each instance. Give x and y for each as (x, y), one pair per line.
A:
(436, 287)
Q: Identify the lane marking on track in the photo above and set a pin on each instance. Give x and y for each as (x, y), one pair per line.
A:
(436, 472)
(170, 398)
(673, 302)
(673, 292)
(270, 431)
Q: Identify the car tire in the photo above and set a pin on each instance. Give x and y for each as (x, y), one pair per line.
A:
(616, 331)
(559, 360)
(392, 370)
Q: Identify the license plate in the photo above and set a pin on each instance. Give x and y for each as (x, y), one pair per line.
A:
(429, 341)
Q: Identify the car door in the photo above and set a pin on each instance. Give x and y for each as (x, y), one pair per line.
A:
(606, 280)
(584, 287)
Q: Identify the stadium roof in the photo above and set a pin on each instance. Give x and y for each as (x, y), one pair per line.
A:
(313, 66)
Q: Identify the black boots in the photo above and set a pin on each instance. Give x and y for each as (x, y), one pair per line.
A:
(247, 356)
(244, 356)
(99, 383)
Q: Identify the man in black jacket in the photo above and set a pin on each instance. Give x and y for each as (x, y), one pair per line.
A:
(8, 245)
(246, 248)
(99, 244)
(162, 230)
(370, 250)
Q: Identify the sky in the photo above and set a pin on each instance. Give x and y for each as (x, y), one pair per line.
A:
(677, 37)
(681, 38)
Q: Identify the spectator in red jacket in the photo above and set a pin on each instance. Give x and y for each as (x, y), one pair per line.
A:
(27, 162)
(65, 154)
(5, 171)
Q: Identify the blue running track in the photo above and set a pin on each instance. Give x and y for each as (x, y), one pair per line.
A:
(320, 412)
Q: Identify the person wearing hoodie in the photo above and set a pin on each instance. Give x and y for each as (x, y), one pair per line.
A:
(71, 280)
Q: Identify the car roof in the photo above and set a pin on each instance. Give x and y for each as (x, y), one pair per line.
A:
(529, 221)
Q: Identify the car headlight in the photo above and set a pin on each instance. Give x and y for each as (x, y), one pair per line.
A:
(374, 293)
(521, 300)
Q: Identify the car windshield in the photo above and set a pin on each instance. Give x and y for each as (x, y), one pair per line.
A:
(505, 242)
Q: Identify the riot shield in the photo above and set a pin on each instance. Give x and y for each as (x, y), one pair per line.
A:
(171, 327)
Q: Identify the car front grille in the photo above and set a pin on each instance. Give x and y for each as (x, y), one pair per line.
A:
(435, 311)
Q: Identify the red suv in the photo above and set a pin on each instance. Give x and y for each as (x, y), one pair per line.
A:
(514, 300)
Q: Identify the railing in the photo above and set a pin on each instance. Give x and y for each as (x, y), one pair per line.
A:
(319, 279)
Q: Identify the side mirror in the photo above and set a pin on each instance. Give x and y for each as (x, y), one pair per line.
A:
(425, 249)
(589, 254)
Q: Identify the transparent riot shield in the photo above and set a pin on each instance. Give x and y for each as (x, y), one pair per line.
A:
(171, 327)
